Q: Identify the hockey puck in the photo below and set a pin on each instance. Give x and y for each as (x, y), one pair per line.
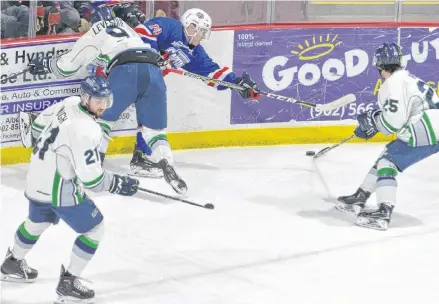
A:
(310, 153)
(209, 206)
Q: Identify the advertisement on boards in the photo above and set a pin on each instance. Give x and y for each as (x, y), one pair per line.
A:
(29, 93)
(322, 65)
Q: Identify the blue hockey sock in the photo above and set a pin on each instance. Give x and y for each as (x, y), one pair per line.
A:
(141, 144)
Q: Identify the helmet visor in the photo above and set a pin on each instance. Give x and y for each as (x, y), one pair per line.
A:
(103, 100)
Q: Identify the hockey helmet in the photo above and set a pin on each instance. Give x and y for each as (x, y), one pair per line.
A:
(96, 14)
(388, 55)
(199, 18)
(98, 88)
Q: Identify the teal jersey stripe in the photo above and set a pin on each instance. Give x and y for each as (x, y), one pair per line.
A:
(56, 189)
(430, 130)
(94, 182)
(38, 127)
(105, 127)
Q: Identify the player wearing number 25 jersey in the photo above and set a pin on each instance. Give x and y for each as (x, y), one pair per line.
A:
(409, 108)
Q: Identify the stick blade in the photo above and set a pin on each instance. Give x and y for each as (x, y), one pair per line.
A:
(342, 101)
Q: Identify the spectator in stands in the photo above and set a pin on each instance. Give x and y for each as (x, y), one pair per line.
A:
(40, 16)
(48, 21)
(52, 20)
(14, 19)
(69, 17)
(167, 8)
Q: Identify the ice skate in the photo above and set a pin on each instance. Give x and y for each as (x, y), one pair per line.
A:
(13, 270)
(172, 178)
(378, 219)
(353, 203)
(70, 290)
(142, 166)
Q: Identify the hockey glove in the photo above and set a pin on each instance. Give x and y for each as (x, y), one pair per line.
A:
(129, 13)
(367, 127)
(124, 185)
(40, 66)
(165, 60)
(251, 90)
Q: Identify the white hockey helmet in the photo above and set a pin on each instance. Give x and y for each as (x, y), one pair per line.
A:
(200, 19)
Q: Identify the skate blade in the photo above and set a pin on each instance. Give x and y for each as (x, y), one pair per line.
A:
(371, 223)
(139, 172)
(145, 175)
(72, 300)
(182, 191)
(15, 279)
(355, 210)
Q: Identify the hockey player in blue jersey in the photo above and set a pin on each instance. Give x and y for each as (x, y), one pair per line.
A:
(179, 42)
(133, 69)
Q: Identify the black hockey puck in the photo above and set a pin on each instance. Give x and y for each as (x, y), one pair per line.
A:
(310, 153)
(209, 206)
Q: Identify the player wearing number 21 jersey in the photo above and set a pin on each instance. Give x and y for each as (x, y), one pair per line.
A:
(64, 161)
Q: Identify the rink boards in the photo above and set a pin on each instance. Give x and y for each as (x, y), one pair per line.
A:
(318, 64)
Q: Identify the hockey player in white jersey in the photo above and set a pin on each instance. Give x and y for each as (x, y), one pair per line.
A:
(134, 75)
(409, 108)
(32, 124)
(63, 162)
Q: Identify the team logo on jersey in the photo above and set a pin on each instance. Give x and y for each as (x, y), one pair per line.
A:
(156, 29)
(181, 45)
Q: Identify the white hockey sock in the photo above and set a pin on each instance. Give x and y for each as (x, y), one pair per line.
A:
(158, 143)
(370, 181)
(26, 237)
(386, 183)
(84, 249)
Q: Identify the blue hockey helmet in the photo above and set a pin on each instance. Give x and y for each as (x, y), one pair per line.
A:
(388, 56)
(102, 13)
(98, 88)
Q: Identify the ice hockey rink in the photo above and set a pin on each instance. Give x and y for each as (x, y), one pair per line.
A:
(272, 238)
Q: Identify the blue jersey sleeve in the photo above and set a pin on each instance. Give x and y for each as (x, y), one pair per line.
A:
(160, 32)
(165, 33)
(203, 65)
(148, 36)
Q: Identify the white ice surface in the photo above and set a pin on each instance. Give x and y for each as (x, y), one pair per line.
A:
(272, 237)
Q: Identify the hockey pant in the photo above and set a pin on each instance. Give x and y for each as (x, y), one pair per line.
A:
(84, 218)
(141, 84)
(396, 157)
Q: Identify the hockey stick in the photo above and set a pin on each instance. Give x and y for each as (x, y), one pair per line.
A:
(207, 206)
(18, 73)
(327, 149)
(347, 99)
